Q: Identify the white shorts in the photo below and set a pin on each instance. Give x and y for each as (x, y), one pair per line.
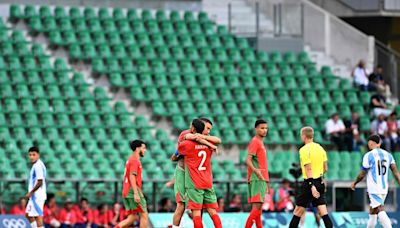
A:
(34, 208)
(377, 200)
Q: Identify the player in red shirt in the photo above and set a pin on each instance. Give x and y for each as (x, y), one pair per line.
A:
(132, 194)
(179, 177)
(19, 209)
(257, 178)
(198, 178)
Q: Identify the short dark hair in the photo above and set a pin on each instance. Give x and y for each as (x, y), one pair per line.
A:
(198, 125)
(34, 149)
(375, 138)
(379, 66)
(84, 199)
(206, 120)
(135, 144)
(259, 121)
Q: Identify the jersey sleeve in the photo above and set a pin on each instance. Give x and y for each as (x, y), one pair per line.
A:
(39, 172)
(133, 167)
(366, 164)
(183, 147)
(253, 148)
(304, 157)
(391, 159)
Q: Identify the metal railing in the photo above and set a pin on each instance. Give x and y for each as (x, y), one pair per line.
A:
(389, 59)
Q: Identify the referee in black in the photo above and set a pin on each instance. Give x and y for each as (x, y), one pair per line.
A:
(313, 163)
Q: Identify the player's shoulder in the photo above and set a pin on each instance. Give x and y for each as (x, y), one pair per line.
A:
(184, 132)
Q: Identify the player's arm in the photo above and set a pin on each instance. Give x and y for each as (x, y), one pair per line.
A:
(175, 156)
(39, 183)
(200, 139)
(359, 178)
(325, 167)
(37, 186)
(249, 163)
(170, 183)
(132, 179)
(213, 139)
(395, 172)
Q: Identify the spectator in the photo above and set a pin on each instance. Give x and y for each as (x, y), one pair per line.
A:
(378, 104)
(19, 209)
(166, 205)
(379, 127)
(84, 215)
(335, 129)
(103, 216)
(283, 197)
(67, 216)
(221, 204)
(269, 205)
(376, 79)
(236, 204)
(393, 129)
(360, 74)
(118, 214)
(50, 212)
(352, 134)
(2, 210)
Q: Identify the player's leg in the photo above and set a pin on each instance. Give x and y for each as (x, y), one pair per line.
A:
(210, 203)
(39, 204)
(195, 199)
(257, 192)
(197, 221)
(376, 203)
(126, 222)
(180, 196)
(297, 214)
(180, 209)
(323, 212)
(373, 217)
(39, 222)
(144, 219)
(384, 218)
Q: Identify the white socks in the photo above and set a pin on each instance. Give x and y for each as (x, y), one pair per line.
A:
(384, 220)
(372, 221)
(173, 226)
(33, 224)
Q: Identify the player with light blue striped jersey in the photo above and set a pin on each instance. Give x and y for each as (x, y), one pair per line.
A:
(375, 166)
(36, 190)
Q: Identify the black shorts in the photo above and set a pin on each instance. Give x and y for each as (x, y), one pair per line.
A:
(304, 196)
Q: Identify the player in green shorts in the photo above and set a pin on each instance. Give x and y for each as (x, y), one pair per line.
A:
(132, 194)
(179, 177)
(198, 178)
(257, 177)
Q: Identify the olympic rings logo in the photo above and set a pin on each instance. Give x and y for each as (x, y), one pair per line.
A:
(13, 223)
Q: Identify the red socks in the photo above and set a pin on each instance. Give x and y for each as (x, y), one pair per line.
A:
(198, 223)
(217, 221)
(116, 226)
(255, 216)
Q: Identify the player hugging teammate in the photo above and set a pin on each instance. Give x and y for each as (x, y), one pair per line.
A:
(193, 175)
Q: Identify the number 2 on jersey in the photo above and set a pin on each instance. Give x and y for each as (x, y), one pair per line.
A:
(382, 167)
(202, 154)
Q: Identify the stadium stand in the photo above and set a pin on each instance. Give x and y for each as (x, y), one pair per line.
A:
(185, 65)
